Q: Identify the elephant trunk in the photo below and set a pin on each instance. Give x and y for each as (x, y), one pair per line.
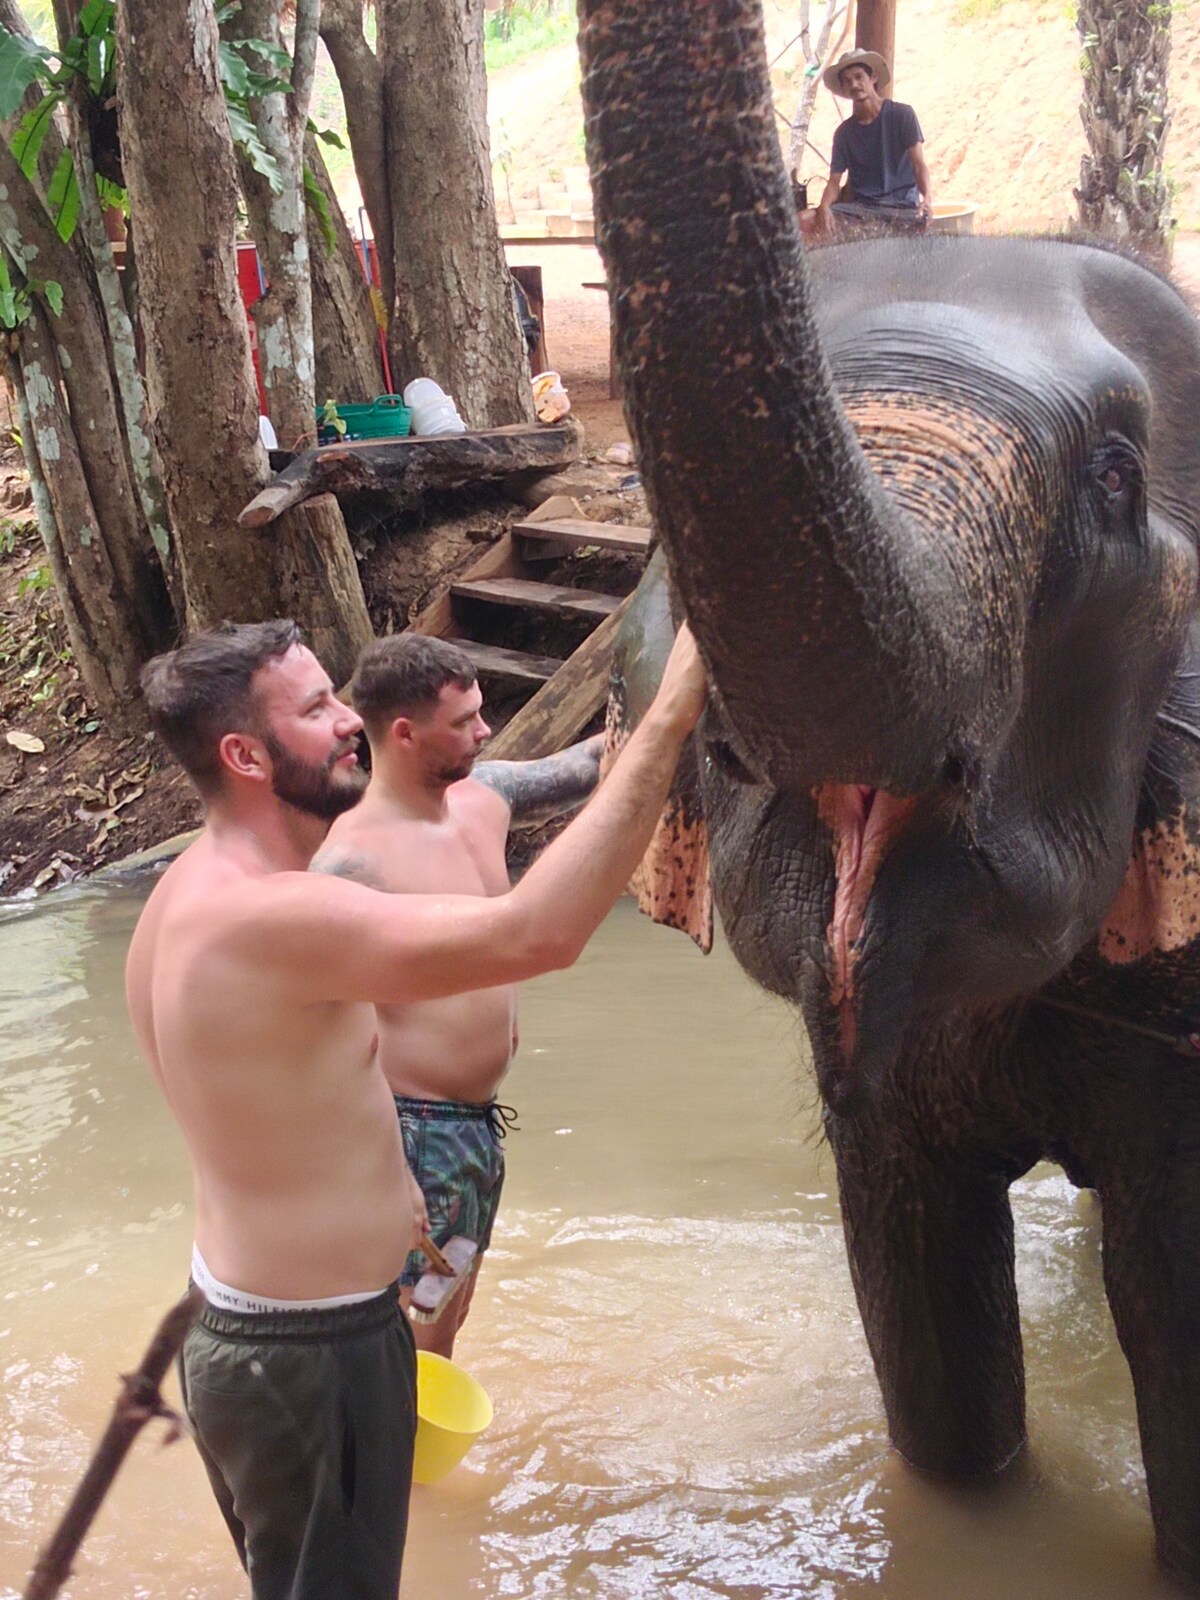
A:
(838, 627)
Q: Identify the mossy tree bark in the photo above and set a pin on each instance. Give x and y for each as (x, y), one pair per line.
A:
(1123, 192)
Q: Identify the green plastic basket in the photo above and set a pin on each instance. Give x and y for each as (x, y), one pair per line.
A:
(385, 418)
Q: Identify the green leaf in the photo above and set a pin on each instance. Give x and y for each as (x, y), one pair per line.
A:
(54, 296)
(245, 136)
(326, 135)
(99, 56)
(98, 17)
(274, 55)
(62, 197)
(260, 85)
(21, 62)
(112, 196)
(31, 133)
(317, 202)
(235, 74)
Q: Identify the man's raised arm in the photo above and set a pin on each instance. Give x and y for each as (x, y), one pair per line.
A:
(553, 786)
(347, 942)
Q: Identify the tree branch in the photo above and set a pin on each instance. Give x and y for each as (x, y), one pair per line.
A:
(304, 63)
(140, 1399)
(360, 75)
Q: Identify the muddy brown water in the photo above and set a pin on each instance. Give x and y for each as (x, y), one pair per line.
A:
(685, 1407)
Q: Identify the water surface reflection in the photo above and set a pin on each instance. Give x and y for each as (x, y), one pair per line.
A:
(685, 1406)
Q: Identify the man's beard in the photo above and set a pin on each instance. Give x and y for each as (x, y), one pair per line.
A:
(316, 790)
(450, 775)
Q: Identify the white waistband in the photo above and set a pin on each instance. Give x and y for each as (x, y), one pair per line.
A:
(220, 1294)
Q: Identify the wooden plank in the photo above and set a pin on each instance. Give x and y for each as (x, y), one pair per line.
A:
(562, 708)
(573, 532)
(499, 560)
(493, 661)
(402, 470)
(551, 597)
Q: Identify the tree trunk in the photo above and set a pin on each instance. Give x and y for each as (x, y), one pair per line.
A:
(453, 317)
(1124, 194)
(345, 333)
(283, 315)
(105, 648)
(875, 30)
(198, 371)
(31, 241)
(361, 78)
(314, 537)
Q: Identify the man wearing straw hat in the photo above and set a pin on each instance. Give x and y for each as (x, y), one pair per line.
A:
(879, 147)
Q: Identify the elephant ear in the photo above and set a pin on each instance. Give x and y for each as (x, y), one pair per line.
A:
(672, 883)
(1157, 909)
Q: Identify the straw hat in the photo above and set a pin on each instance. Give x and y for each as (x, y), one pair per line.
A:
(856, 58)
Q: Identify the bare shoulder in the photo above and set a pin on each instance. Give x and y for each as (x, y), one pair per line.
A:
(475, 800)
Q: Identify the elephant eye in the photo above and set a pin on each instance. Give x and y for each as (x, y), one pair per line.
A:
(1117, 467)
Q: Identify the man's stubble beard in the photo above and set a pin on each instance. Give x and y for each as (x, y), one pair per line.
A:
(311, 788)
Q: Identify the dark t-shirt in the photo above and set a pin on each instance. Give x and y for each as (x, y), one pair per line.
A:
(876, 155)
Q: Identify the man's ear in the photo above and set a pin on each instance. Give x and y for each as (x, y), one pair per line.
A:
(401, 731)
(244, 756)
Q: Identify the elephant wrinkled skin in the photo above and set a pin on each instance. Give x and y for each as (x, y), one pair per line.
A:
(932, 508)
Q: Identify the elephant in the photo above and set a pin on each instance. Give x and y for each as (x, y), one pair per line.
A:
(931, 508)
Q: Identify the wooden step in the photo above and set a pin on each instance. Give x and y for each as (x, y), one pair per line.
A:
(551, 597)
(573, 532)
(493, 661)
(562, 708)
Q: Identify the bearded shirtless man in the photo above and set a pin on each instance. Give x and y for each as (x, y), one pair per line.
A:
(427, 826)
(252, 985)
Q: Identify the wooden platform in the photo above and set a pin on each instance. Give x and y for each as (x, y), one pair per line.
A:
(400, 471)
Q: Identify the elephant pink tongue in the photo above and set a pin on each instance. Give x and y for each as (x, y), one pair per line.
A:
(863, 822)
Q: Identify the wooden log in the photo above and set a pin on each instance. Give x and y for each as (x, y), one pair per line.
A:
(333, 611)
(562, 708)
(403, 470)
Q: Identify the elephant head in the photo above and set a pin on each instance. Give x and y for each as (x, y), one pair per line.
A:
(931, 509)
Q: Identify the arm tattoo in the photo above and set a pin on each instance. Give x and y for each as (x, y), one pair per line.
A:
(535, 791)
(341, 865)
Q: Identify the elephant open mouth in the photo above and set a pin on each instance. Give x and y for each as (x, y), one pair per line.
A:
(864, 823)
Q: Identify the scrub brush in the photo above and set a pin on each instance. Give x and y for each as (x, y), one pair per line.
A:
(449, 1269)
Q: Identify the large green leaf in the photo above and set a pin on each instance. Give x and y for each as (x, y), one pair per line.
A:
(31, 133)
(21, 62)
(235, 74)
(274, 55)
(98, 17)
(245, 136)
(317, 202)
(62, 197)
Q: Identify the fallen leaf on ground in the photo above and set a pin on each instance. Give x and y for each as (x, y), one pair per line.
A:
(29, 742)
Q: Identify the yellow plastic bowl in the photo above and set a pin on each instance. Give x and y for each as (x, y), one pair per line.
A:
(452, 1411)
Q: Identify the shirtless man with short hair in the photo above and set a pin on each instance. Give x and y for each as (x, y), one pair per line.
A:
(252, 985)
(432, 822)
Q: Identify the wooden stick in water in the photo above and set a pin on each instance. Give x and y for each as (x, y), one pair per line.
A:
(140, 1400)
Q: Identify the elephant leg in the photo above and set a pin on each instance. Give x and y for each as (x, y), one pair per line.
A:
(1151, 1223)
(930, 1240)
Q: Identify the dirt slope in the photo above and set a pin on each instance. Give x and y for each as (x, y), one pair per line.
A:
(995, 83)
